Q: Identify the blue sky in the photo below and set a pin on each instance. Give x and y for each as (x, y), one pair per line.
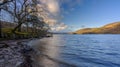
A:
(77, 14)
(91, 13)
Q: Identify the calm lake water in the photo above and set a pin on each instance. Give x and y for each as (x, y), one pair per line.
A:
(78, 51)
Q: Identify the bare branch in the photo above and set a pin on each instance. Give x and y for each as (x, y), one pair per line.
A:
(5, 2)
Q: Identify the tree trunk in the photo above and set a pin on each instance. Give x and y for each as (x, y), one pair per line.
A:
(17, 27)
(0, 25)
(0, 29)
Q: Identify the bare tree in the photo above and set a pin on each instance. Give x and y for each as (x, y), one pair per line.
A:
(18, 9)
(0, 25)
(24, 12)
(3, 2)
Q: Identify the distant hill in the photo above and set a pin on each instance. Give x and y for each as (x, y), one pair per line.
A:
(112, 28)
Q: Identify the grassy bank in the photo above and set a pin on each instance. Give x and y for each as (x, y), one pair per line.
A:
(8, 34)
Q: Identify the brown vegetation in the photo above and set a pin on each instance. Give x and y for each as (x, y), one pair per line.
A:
(113, 28)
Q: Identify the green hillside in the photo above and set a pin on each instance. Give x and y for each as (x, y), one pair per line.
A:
(112, 28)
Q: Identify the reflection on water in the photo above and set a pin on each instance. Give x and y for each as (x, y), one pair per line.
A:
(48, 51)
(77, 51)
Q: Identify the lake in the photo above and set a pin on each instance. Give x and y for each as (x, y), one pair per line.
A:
(78, 51)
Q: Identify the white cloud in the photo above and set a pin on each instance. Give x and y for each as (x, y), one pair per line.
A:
(59, 27)
(51, 5)
(51, 22)
(51, 14)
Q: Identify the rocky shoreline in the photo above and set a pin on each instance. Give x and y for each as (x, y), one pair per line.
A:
(15, 53)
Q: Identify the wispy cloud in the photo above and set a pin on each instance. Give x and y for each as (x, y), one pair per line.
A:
(52, 12)
(51, 22)
(52, 8)
(59, 27)
(51, 5)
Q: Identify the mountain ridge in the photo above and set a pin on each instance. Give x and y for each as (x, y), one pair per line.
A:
(112, 28)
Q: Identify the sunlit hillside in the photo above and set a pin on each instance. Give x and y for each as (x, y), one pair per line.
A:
(112, 28)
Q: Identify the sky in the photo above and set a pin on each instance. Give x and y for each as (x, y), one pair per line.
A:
(91, 13)
(71, 15)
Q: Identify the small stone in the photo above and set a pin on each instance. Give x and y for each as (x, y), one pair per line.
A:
(19, 64)
(2, 60)
(4, 45)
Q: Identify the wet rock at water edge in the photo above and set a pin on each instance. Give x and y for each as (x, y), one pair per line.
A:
(3, 45)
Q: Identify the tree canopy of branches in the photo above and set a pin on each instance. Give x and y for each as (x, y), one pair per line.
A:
(25, 12)
(2, 2)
